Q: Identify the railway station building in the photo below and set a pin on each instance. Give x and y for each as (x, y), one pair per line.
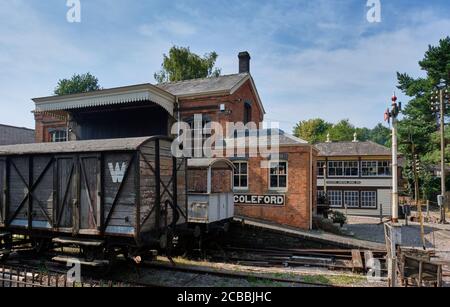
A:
(284, 192)
(356, 176)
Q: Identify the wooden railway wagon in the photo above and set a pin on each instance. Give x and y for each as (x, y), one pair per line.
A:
(124, 192)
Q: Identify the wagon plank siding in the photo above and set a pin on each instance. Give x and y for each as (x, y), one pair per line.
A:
(66, 192)
(115, 168)
(90, 187)
(42, 208)
(18, 181)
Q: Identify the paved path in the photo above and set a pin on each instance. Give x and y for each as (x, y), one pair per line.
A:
(317, 236)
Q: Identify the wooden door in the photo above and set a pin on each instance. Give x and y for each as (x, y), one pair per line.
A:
(89, 197)
(66, 196)
(19, 192)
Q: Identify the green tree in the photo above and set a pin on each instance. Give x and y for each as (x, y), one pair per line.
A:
(381, 135)
(342, 131)
(77, 84)
(419, 124)
(313, 130)
(182, 64)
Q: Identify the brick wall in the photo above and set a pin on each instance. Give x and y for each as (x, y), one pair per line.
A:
(221, 181)
(299, 196)
(45, 122)
(235, 106)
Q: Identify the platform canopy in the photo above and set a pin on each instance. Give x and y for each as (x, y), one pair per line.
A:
(144, 93)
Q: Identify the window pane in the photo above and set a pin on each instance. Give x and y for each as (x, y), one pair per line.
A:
(335, 199)
(236, 181)
(244, 182)
(283, 182)
(274, 181)
(351, 199)
(243, 168)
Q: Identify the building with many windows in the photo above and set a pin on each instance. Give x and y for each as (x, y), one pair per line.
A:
(283, 192)
(357, 177)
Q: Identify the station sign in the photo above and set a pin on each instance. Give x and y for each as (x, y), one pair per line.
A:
(262, 200)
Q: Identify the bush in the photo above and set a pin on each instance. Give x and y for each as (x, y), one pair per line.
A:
(338, 218)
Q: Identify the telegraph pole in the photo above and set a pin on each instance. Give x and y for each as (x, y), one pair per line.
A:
(392, 115)
(439, 103)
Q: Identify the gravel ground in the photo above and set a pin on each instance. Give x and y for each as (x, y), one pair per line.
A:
(437, 237)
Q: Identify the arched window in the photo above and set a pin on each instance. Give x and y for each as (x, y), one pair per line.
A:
(247, 113)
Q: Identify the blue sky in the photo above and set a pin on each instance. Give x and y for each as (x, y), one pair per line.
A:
(310, 59)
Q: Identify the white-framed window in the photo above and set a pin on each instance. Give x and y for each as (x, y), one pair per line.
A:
(376, 168)
(384, 168)
(351, 199)
(369, 168)
(335, 168)
(343, 168)
(351, 169)
(58, 136)
(335, 199)
(321, 200)
(369, 199)
(320, 168)
(278, 175)
(240, 175)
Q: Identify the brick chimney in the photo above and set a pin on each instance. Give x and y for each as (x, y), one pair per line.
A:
(244, 62)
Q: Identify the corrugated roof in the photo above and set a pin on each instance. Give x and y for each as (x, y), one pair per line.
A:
(75, 146)
(204, 85)
(10, 135)
(337, 149)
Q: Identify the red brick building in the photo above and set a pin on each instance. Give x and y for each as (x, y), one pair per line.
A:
(284, 193)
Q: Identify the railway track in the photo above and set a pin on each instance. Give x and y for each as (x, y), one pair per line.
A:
(346, 260)
(233, 275)
(29, 271)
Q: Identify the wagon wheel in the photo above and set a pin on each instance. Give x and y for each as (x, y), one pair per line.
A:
(5, 245)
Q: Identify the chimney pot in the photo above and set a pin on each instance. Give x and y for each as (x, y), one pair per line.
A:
(244, 62)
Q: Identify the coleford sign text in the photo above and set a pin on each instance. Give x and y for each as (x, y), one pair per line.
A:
(269, 200)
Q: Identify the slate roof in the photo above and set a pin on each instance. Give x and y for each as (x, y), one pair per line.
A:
(283, 137)
(10, 135)
(339, 149)
(202, 86)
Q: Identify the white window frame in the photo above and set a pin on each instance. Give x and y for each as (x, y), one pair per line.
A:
(353, 163)
(335, 163)
(388, 167)
(376, 164)
(278, 175)
(320, 166)
(240, 188)
(55, 138)
(365, 197)
(334, 195)
(350, 197)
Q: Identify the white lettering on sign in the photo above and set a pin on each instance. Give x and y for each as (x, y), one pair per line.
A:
(268, 200)
(117, 171)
